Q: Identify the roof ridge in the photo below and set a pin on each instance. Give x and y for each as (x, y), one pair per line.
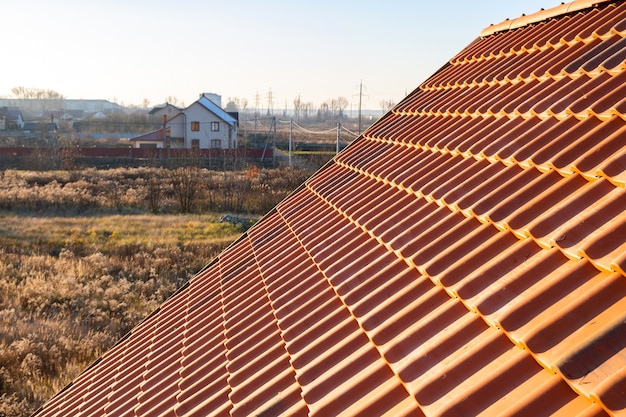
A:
(539, 16)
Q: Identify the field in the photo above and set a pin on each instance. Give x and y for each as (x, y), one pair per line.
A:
(85, 256)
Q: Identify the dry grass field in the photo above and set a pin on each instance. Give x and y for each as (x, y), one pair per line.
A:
(72, 286)
(85, 256)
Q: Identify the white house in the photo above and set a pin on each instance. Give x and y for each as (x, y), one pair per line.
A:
(202, 125)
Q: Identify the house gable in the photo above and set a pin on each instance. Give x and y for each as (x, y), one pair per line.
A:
(206, 125)
(217, 111)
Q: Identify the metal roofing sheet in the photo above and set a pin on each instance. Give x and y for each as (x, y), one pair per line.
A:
(464, 256)
(217, 110)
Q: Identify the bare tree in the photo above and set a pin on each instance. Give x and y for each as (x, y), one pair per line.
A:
(297, 107)
(342, 104)
(232, 104)
(155, 190)
(307, 108)
(387, 105)
(42, 99)
(36, 93)
(323, 111)
(171, 100)
(185, 181)
(20, 92)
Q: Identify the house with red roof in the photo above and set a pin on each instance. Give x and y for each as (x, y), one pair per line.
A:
(202, 125)
(464, 256)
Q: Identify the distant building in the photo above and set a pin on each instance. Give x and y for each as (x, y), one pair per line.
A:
(11, 118)
(202, 125)
(166, 109)
(39, 126)
(34, 108)
(152, 139)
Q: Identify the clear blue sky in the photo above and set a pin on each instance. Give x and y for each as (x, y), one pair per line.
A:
(130, 50)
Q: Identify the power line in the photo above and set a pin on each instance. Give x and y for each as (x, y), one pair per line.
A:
(349, 131)
(319, 132)
(303, 129)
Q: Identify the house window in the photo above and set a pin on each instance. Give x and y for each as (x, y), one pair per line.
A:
(216, 143)
(195, 126)
(195, 143)
(215, 126)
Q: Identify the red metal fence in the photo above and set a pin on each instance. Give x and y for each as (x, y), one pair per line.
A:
(144, 153)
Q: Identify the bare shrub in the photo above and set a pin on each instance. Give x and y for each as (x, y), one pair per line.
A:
(154, 190)
(185, 181)
(11, 405)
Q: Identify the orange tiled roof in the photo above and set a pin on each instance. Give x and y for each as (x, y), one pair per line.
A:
(466, 255)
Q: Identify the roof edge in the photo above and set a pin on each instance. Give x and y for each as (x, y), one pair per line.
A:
(541, 15)
(146, 136)
(217, 110)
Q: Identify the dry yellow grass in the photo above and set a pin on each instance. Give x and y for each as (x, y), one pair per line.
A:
(104, 232)
(70, 287)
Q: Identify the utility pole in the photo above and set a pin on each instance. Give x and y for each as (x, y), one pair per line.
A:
(360, 99)
(167, 138)
(256, 102)
(338, 135)
(270, 103)
(360, 103)
(298, 109)
(290, 138)
(274, 142)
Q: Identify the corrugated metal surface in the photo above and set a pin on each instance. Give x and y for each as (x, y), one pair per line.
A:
(465, 256)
